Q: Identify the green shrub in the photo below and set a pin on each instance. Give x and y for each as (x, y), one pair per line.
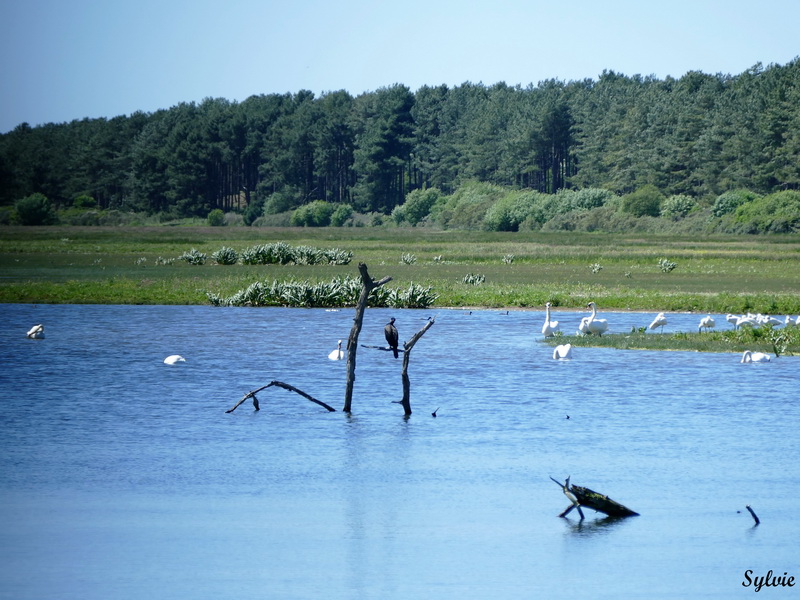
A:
(418, 204)
(216, 218)
(728, 202)
(678, 206)
(339, 292)
(646, 201)
(466, 208)
(776, 213)
(193, 257)
(84, 202)
(342, 214)
(225, 256)
(314, 214)
(35, 209)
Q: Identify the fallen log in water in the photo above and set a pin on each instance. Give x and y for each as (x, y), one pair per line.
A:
(583, 496)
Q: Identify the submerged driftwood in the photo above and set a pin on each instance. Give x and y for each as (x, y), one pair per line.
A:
(285, 386)
(583, 496)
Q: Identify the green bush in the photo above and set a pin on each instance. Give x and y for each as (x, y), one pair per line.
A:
(216, 218)
(646, 201)
(314, 214)
(678, 206)
(342, 214)
(35, 209)
(728, 202)
(193, 257)
(466, 208)
(418, 204)
(84, 202)
(225, 256)
(776, 213)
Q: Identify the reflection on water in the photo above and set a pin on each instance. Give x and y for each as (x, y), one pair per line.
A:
(123, 477)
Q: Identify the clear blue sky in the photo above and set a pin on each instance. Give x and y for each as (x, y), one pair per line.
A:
(68, 59)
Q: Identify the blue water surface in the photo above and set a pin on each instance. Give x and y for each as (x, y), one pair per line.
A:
(123, 477)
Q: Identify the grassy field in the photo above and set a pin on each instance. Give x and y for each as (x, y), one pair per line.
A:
(521, 270)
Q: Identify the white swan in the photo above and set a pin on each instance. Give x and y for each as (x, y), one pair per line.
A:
(791, 321)
(562, 351)
(749, 320)
(36, 332)
(550, 327)
(595, 325)
(754, 357)
(706, 323)
(337, 354)
(583, 328)
(732, 319)
(659, 321)
(173, 359)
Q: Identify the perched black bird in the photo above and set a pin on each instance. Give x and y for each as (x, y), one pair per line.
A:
(390, 331)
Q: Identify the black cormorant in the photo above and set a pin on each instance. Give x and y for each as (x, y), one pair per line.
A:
(390, 331)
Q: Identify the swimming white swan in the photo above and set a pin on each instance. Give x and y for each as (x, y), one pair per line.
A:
(550, 327)
(754, 357)
(337, 354)
(562, 351)
(659, 321)
(36, 332)
(173, 359)
(706, 323)
(595, 325)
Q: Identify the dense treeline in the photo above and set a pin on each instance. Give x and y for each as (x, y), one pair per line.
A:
(692, 138)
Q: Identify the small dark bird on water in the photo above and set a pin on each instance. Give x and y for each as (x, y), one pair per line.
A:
(390, 331)
(433, 414)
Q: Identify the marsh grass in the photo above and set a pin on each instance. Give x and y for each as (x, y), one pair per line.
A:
(137, 265)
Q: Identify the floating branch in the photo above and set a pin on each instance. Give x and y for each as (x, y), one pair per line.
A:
(285, 386)
(752, 512)
(582, 496)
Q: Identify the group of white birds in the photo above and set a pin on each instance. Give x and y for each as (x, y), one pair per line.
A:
(591, 325)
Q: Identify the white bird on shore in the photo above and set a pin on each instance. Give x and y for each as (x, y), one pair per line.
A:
(754, 357)
(337, 354)
(562, 352)
(36, 332)
(595, 325)
(749, 320)
(706, 323)
(659, 321)
(550, 327)
(173, 359)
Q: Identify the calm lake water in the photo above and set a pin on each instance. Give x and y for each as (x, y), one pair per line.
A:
(124, 478)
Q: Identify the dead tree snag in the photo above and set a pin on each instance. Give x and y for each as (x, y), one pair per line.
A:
(406, 402)
(368, 284)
